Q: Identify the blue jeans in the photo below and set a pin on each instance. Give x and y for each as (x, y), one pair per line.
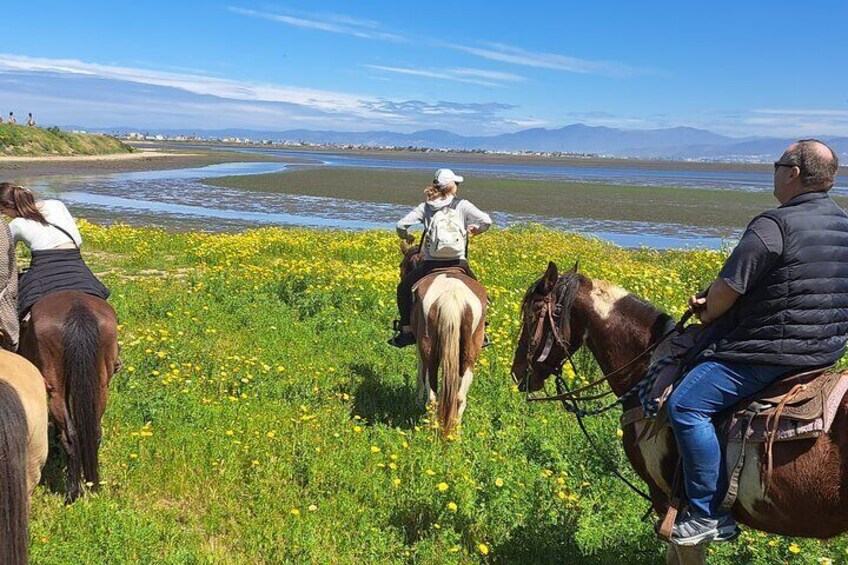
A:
(710, 388)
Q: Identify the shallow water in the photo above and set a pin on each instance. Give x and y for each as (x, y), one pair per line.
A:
(179, 199)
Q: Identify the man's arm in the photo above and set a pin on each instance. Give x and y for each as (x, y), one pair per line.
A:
(718, 300)
(757, 251)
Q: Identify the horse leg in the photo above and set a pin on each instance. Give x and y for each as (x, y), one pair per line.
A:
(432, 381)
(686, 554)
(462, 396)
(422, 395)
(67, 434)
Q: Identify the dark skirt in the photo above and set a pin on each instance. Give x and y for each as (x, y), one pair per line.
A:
(55, 270)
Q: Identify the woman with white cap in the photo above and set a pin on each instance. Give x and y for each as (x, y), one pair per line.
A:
(448, 222)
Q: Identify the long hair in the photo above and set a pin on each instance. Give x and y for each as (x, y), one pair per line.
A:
(22, 201)
(14, 499)
(436, 190)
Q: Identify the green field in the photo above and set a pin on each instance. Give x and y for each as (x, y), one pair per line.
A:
(260, 417)
(723, 210)
(19, 140)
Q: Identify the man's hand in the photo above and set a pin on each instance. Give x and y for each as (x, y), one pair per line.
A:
(410, 238)
(697, 304)
(714, 302)
(473, 230)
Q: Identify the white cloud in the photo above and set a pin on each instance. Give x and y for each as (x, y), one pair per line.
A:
(328, 101)
(471, 76)
(141, 97)
(519, 56)
(333, 23)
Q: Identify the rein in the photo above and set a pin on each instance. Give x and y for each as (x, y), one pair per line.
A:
(551, 311)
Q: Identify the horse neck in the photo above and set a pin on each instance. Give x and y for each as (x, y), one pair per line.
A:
(617, 337)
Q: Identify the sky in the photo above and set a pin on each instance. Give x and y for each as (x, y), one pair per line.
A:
(743, 69)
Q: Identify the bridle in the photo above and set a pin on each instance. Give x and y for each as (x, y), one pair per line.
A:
(553, 315)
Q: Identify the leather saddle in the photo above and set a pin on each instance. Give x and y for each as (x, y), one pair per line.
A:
(800, 406)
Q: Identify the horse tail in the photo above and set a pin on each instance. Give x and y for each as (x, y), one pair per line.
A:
(14, 496)
(449, 306)
(81, 347)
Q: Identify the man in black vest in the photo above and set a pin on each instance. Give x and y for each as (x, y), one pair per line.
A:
(779, 305)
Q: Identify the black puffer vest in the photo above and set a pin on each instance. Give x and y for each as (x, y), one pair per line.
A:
(797, 315)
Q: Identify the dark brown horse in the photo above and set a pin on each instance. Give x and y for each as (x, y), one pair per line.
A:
(808, 493)
(23, 451)
(448, 320)
(72, 337)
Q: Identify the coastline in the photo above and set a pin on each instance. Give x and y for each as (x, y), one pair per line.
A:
(17, 169)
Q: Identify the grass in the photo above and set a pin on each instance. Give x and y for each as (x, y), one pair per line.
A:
(725, 211)
(19, 140)
(261, 418)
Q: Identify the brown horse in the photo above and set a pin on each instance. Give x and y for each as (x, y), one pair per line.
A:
(23, 451)
(808, 492)
(448, 320)
(72, 337)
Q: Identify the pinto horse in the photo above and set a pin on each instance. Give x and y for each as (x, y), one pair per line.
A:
(448, 320)
(808, 492)
(23, 451)
(72, 338)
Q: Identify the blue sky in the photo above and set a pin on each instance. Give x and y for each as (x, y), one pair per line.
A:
(738, 68)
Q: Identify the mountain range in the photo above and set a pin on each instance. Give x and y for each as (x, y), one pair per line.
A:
(678, 143)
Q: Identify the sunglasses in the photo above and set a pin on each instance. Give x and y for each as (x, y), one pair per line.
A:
(778, 164)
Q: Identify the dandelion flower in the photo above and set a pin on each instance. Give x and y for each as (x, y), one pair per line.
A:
(295, 512)
(442, 487)
(794, 548)
(499, 482)
(483, 549)
(375, 449)
(452, 506)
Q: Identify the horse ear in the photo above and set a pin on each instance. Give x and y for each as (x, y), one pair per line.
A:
(574, 269)
(549, 279)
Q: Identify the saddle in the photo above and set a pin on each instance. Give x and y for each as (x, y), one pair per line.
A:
(434, 273)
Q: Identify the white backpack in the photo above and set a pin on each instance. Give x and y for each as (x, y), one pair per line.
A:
(445, 232)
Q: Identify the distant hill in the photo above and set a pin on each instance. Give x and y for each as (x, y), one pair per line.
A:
(666, 143)
(18, 140)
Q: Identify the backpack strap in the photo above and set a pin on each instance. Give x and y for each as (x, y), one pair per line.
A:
(64, 231)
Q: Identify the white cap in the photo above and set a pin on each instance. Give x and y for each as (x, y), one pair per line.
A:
(443, 177)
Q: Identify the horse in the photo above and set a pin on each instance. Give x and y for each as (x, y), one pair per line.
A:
(448, 321)
(808, 492)
(23, 451)
(72, 338)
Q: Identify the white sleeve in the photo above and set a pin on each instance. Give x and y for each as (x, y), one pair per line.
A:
(475, 217)
(416, 216)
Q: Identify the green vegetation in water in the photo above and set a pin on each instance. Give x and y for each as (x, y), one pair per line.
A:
(261, 418)
(726, 210)
(19, 140)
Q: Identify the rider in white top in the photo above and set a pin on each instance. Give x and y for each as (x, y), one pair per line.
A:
(41, 237)
(51, 234)
(443, 210)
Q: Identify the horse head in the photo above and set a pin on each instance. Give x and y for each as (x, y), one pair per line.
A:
(550, 332)
(412, 257)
